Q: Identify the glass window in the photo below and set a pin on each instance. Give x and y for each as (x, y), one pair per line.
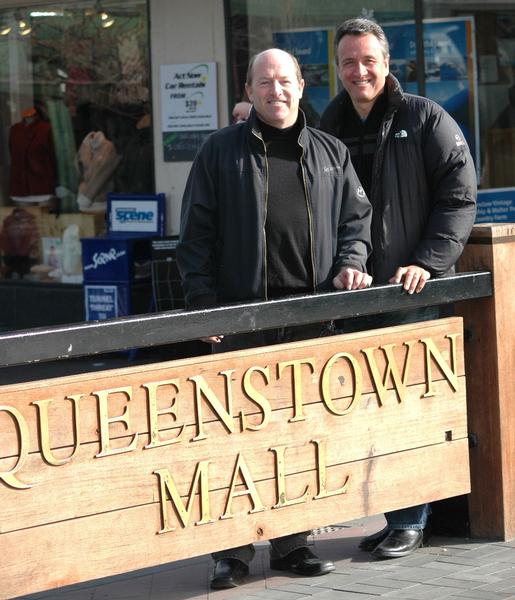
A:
(74, 101)
(493, 65)
(306, 29)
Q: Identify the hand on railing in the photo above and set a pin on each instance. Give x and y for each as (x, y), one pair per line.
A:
(351, 279)
(413, 278)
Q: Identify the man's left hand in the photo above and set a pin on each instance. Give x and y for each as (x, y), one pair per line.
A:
(351, 279)
(412, 277)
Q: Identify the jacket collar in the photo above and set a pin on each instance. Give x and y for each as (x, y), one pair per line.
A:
(252, 125)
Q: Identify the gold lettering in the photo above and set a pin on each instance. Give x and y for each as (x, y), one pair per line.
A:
(154, 413)
(391, 370)
(323, 492)
(44, 430)
(23, 434)
(326, 387)
(105, 421)
(250, 490)
(451, 374)
(280, 478)
(257, 398)
(296, 383)
(167, 488)
(202, 389)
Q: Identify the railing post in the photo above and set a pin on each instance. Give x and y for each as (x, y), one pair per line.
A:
(490, 375)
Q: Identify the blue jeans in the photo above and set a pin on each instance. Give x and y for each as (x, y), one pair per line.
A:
(414, 517)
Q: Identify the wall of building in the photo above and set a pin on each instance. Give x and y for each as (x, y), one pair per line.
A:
(184, 32)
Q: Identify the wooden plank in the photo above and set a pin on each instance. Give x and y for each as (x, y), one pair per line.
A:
(490, 360)
(98, 546)
(127, 480)
(319, 350)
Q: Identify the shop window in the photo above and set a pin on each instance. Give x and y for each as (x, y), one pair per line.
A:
(75, 105)
(306, 29)
(494, 75)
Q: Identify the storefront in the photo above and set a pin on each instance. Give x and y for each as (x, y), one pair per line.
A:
(87, 108)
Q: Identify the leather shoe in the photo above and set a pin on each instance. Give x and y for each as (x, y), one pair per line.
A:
(302, 562)
(369, 542)
(228, 573)
(398, 543)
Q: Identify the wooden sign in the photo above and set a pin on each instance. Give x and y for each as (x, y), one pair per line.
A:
(118, 470)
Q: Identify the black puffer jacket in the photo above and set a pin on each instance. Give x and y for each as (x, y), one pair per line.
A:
(222, 246)
(423, 184)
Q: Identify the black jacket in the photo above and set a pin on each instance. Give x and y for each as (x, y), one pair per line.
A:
(424, 186)
(221, 253)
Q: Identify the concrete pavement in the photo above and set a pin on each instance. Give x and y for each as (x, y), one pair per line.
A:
(448, 568)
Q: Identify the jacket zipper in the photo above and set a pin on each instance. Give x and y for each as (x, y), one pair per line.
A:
(265, 262)
(310, 219)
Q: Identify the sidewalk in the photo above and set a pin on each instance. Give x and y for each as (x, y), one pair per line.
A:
(457, 568)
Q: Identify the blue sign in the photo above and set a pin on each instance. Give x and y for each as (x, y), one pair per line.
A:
(101, 302)
(496, 206)
(136, 216)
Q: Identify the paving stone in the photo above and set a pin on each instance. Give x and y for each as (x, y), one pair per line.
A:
(421, 592)
(482, 595)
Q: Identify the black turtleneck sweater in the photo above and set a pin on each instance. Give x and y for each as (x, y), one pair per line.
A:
(289, 269)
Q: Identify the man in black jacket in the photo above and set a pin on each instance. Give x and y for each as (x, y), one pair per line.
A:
(416, 168)
(271, 208)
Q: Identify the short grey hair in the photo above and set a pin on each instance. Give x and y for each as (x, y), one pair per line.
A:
(361, 27)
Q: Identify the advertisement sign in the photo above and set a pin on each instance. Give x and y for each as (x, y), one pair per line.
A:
(101, 302)
(313, 48)
(189, 107)
(496, 206)
(136, 215)
(450, 68)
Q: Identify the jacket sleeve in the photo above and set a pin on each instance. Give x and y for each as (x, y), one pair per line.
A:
(452, 180)
(354, 243)
(196, 249)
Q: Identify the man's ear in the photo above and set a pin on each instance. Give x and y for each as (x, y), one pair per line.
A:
(248, 91)
(301, 85)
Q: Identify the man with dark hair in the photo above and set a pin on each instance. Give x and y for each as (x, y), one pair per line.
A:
(416, 168)
(271, 208)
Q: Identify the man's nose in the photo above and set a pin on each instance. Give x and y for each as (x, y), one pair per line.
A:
(277, 88)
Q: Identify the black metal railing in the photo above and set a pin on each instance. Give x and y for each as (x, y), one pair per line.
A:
(149, 330)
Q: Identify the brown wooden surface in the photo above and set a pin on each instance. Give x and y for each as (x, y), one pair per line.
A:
(94, 517)
(490, 360)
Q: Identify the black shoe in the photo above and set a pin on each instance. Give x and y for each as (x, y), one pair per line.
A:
(369, 542)
(302, 562)
(399, 542)
(228, 573)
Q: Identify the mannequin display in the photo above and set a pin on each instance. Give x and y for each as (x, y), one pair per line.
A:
(96, 161)
(32, 171)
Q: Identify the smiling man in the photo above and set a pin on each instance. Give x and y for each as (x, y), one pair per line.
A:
(271, 208)
(416, 168)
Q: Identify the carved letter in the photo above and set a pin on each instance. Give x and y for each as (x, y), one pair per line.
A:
(203, 389)
(280, 478)
(242, 469)
(257, 398)
(167, 488)
(154, 413)
(42, 406)
(23, 432)
(105, 420)
(296, 383)
(391, 370)
(450, 374)
(322, 473)
(326, 378)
